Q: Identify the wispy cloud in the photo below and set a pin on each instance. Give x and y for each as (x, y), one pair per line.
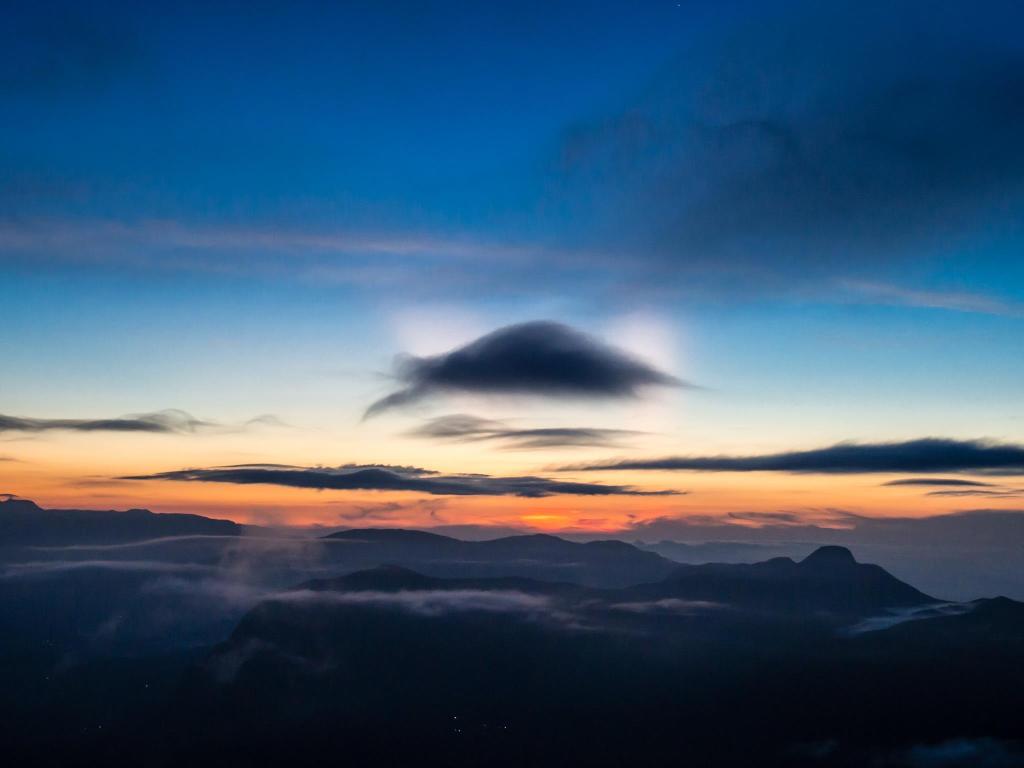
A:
(955, 301)
(321, 254)
(929, 454)
(429, 602)
(1010, 493)
(386, 510)
(169, 421)
(43, 567)
(462, 427)
(894, 617)
(668, 606)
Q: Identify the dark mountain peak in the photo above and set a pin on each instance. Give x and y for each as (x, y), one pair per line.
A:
(12, 504)
(999, 608)
(829, 556)
(829, 581)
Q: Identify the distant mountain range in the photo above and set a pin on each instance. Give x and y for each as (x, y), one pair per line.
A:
(133, 638)
(715, 663)
(598, 563)
(23, 523)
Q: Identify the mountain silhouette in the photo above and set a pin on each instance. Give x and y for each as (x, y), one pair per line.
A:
(513, 671)
(829, 580)
(24, 523)
(829, 557)
(540, 556)
(490, 654)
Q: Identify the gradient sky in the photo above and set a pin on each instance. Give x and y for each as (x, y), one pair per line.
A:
(246, 211)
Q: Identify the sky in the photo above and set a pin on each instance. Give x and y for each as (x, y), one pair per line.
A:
(587, 267)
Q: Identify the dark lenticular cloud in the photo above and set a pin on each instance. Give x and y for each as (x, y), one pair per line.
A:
(462, 427)
(384, 478)
(168, 421)
(924, 455)
(539, 358)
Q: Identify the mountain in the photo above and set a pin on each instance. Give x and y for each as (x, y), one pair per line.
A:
(539, 556)
(24, 523)
(829, 580)
(726, 551)
(709, 666)
(823, 663)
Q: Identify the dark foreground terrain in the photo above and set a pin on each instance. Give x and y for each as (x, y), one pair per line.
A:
(148, 645)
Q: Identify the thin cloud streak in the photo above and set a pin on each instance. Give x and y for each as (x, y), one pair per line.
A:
(929, 454)
(170, 421)
(954, 301)
(466, 428)
(936, 481)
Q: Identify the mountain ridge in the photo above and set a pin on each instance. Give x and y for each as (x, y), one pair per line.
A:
(25, 523)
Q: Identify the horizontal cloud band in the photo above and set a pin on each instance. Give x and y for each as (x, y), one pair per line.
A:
(462, 427)
(170, 421)
(924, 455)
(379, 478)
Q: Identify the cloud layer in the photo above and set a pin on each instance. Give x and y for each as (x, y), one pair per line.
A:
(385, 478)
(929, 454)
(539, 358)
(461, 427)
(937, 482)
(167, 421)
(810, 141)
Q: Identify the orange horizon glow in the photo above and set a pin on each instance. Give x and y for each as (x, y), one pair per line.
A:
(713, 495)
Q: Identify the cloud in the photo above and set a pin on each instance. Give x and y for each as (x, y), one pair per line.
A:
(933, 481)
(998, 494)
(668, 605)
(170, 421)
(430, 602)
(44, 567)
(228, 588)
(808, 141)
(386, 510)
(125, 545)
(381, 478)
(955, 301)
(539, 358)
(903, 615)
(930, 454)
(418, 263)
(167, 421)
(467, 428)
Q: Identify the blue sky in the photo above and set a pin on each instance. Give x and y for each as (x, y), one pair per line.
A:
(811, 213)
